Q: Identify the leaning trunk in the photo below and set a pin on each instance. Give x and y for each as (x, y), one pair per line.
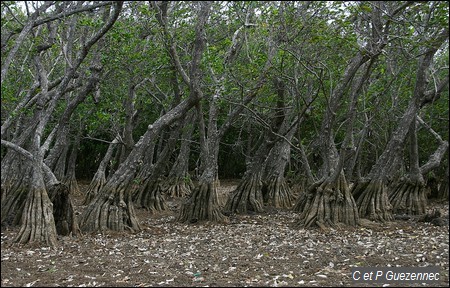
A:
(99, 178)
(179, 181)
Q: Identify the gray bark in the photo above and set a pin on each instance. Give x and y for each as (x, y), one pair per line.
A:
(371, 194)
(112, 208)
(179, 180)
(99, 178)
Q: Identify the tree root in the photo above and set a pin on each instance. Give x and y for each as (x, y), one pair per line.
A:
(63, 212)
(179, 187)
(408, 198)
(72, 183)
(202, 205)
(94, 187)
(372, 200)
(38, 224)
(111, 211)
(150, 196)
(327, 205)
(247, 196)
(277, 193)
(12, 205)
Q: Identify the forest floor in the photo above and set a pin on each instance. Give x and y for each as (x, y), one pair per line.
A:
(252, 250)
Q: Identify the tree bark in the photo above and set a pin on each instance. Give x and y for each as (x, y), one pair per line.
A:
(70, 179)
(371, 194)
(112, 208)
(99, 178)
(203, 204)
(277, 192)
(37, 224)
(179, 181)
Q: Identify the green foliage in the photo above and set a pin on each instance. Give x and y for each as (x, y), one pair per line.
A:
(314, 43)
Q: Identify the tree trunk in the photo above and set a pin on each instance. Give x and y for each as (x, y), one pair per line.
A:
(371, 195)
(37, 224)
(15, 193)
(408, 197)
(327, 204)
(63, 212)
(150, 194)
(248, 196)
(179, 181)
(112, 208)
(276, 191)
(443, 188)
(99, 178)
(203, 203)
(329, 201)
(70, 179)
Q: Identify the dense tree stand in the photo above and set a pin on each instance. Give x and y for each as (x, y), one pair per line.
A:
(408, 197)
(277, 193)
(149, 196)
(327, 204)
(372, 200)
(202, 205)
(247, 196)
